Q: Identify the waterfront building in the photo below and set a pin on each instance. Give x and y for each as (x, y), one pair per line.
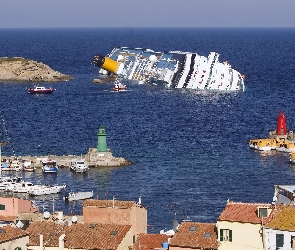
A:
(48, 235)
(240, 225)
(12, 238)
(117, 212)
(15, 206)
(151, 242)
(279, 233)
(195, 235)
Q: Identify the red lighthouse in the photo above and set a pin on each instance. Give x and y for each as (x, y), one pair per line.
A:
(281, 127)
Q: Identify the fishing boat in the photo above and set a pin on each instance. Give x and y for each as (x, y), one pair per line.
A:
(49, 166)
(27, 166)
(40, 90)
(13, 166)
(72, 196)
(118, 86)
(78, 166)
(173, 69)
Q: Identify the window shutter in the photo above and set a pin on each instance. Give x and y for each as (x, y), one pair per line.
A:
(279, 240)
(221, 235)
(230, 235)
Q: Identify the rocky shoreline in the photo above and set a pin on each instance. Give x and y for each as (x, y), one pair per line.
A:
(18, 69)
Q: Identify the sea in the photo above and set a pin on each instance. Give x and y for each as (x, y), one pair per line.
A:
(189, 148)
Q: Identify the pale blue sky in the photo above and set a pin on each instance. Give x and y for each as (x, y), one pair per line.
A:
(148, 13)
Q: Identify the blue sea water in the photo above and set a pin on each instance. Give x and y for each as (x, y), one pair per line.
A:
(189, 147)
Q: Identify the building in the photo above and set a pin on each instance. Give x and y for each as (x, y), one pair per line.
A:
(15, 206)
(151, 242)
(117, 212)
(12, 238)
(240, 225)
(284, 194)
(48, 235)
(195, 235)
(279, 233)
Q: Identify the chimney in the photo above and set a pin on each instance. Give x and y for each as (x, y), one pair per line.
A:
(61, 242)
(41, 242)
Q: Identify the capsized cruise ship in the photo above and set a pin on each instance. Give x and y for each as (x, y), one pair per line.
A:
(175, 69)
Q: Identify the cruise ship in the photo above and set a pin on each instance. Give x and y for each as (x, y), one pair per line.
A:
(174, 69)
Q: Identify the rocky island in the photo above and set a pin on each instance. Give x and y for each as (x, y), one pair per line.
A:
(18, 69)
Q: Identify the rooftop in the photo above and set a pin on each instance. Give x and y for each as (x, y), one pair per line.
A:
(81, 235)
(284, 218)
(108, 203)
(195, 235)
(150, 241)
(242, 212)
(8, 233)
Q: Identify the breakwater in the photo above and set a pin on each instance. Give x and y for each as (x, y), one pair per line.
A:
(92, 159)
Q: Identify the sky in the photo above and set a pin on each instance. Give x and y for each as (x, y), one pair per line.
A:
(148, 13)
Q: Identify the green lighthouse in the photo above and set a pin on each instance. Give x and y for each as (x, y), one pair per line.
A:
(101, 140)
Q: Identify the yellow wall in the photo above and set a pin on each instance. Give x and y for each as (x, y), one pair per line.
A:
(244, 236)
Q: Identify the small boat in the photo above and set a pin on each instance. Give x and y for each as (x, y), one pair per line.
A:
(49, 166)
(14, 166)
(286, 147)
(119, 87)
(27, 166)
(40, 90)
(71, 196)
(78, 166)
(266, 144)
(292, 157)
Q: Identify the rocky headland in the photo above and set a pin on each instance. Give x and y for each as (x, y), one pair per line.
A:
(18, 69)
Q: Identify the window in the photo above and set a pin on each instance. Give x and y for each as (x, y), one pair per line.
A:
(292, 238)
(262, 212)
(225, 235)
(2, 207)
(279, 240)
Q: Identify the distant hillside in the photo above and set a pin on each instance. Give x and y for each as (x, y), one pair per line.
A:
(21, 69)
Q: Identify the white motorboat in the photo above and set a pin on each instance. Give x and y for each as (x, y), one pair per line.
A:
(22, 187)
(46, 189)
(78, 166)
(72, 196)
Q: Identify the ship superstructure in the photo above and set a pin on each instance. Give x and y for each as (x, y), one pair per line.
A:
(175, 69)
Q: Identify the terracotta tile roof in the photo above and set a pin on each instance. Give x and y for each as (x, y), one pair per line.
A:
(195, 235)
(283, 219)
(242, 212)
(108, 203)
(81, 235)
(150, 241)
(8, 233)
(7, 218)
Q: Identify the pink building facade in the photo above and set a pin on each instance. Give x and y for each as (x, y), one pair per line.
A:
(15, 206)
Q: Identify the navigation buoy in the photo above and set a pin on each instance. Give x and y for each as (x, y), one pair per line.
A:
(281, 127)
